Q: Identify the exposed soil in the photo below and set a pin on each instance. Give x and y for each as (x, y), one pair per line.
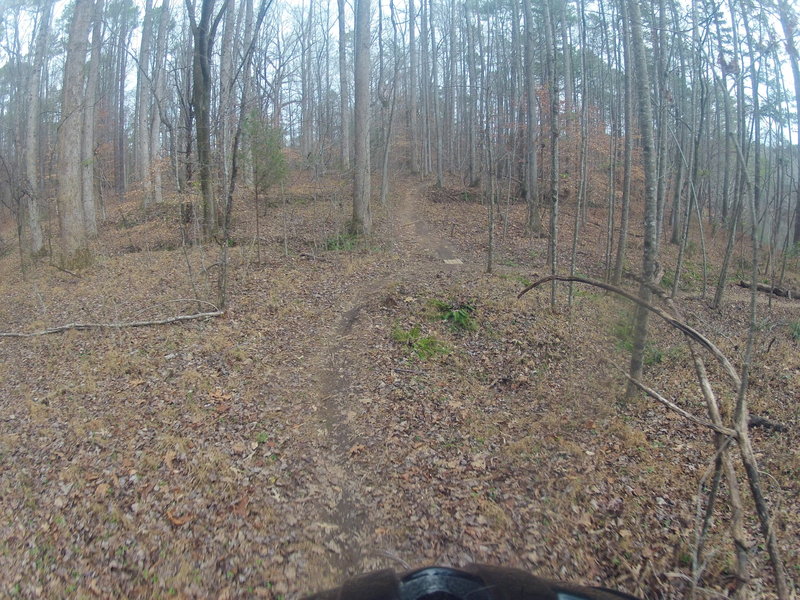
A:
(333, 421)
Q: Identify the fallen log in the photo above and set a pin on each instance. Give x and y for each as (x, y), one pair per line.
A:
(769, 289)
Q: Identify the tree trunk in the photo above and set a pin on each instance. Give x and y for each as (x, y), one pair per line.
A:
(649, 255)
(32, 129)
(203, 32)
(87, 142)
(533, 222)
(143, 106)
(362, 218)
(789, 23)
(159, 68)
(628, 156)
(344, 93)
(73, 247)
(552, 80)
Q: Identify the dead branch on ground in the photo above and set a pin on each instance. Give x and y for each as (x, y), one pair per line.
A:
(122, 325)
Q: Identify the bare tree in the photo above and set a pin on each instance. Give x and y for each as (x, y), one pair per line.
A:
(344, 91)
(639, 55)
(32, 125)
(74, 244)
(362, 217)
(204, 31)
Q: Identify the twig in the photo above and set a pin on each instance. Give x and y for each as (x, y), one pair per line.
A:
(67, 271)
(675, 408)
(85, 326)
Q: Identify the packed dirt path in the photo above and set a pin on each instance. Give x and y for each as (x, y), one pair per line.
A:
(425, 253)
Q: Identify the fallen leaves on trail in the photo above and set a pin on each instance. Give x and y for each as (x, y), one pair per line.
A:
(293, 443)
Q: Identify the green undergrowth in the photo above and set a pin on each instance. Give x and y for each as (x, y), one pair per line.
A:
(458, 315)
(794, 329)
(422, 346)
(343, 242)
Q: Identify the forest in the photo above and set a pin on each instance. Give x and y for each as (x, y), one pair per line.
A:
(298, 290)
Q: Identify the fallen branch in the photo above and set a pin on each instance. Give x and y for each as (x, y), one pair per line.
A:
(85, 326)
(775, 290)
(756, 421)
(675, 408)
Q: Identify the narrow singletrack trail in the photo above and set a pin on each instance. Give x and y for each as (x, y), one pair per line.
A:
(346, 520)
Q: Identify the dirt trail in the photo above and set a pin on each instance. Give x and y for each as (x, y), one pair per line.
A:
(348, 521)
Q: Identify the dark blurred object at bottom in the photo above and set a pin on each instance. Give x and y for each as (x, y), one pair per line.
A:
(473, 582)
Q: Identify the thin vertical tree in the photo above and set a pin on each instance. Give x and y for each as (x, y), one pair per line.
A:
(32, 124)
(649, 255)
(362, 217)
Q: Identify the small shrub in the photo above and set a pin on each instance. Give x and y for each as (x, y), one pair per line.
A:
(794, 328)
(343, 242)
(423, 346)
(458, 315)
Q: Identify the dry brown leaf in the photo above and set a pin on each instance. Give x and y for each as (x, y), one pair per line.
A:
(101, 491)
(357, 449)
(240, 508)
(179, 521)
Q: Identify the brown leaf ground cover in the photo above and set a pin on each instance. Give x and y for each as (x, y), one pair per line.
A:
(338, 419)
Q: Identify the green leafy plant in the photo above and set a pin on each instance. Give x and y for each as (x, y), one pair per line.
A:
(457, 315)
(269, 164)
(423, 347)
(342, 242)
(794, 328)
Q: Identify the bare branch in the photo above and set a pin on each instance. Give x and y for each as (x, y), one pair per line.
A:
(85, 326)
(675, 408)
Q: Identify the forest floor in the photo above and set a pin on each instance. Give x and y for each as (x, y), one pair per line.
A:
(364, 405)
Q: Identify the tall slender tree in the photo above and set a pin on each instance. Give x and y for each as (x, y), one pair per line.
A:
(72, 229)
(362, 217)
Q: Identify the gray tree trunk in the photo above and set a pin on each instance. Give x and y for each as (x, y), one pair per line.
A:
(362, 217)
(32, 128)
(143, 106)
(413, 86)
(159, 92)
(649, 255)
(627, 159)
(552, 81)
(87, 142)
(344, 92)
(534, 222)
(789, 23)
(72, 232)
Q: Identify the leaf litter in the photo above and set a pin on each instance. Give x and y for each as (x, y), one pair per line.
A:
(294, 442)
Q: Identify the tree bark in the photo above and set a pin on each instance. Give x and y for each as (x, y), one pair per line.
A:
(362, 217)
(32, 129)
(533, 222)
(203, 32)
(143, 105)
(344, 92)
(73, 239)
(88, 140)
(649, 255)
